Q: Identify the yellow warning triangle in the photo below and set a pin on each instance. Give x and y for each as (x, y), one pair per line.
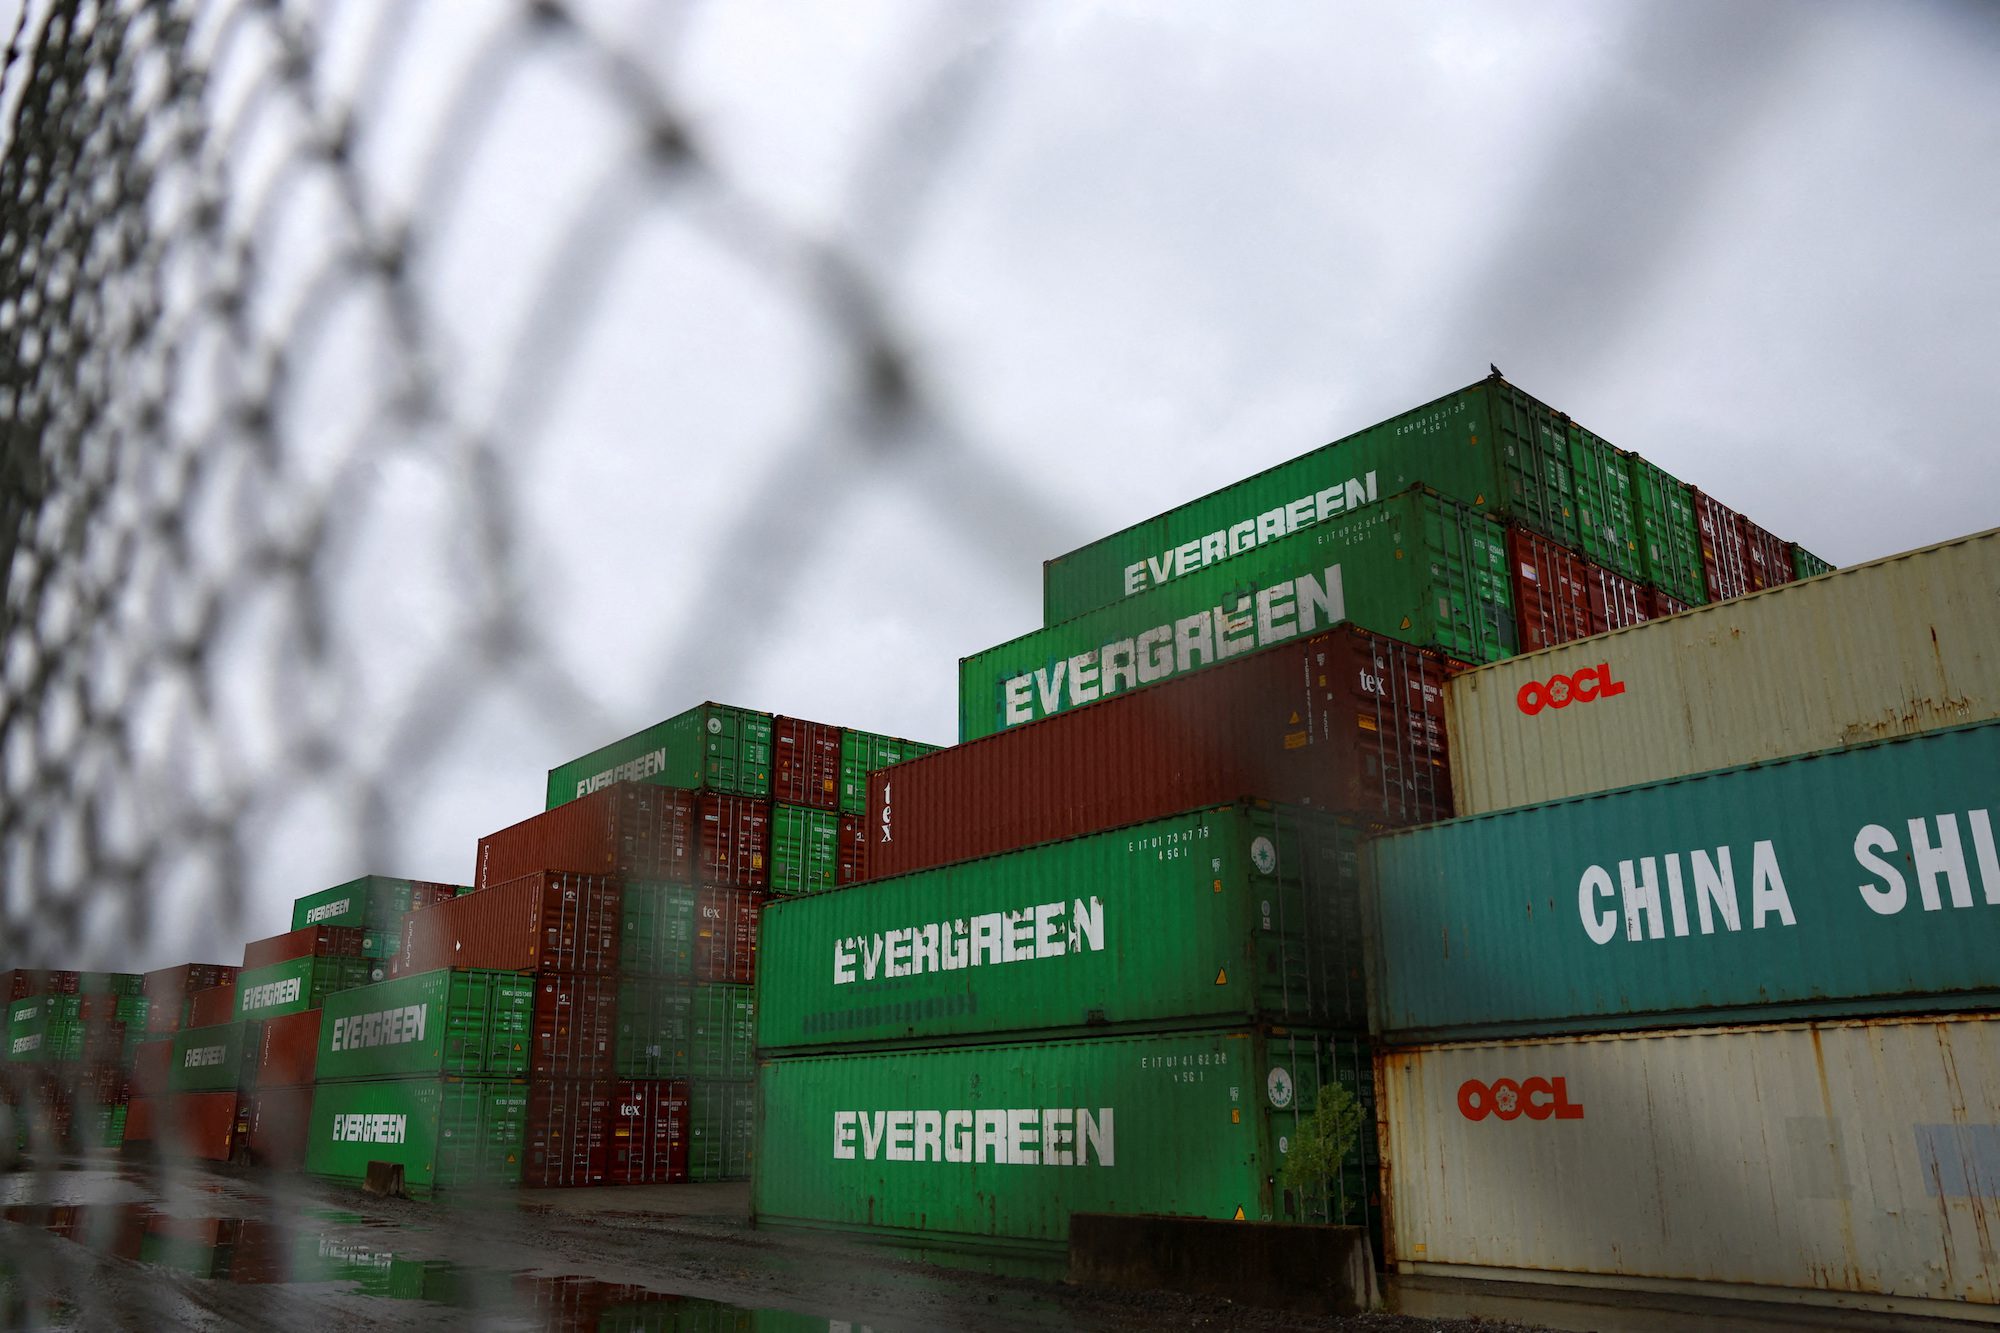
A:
(1239, 1214)
(1295, 718)
(1222, 976)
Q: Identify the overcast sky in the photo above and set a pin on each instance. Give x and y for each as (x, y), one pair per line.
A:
(1139, 251)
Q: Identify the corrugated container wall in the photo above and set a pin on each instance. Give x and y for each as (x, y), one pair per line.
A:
(629, 828)
(1489, 446)
(1853, 1164)
(543, 922)
(1417, 567)
(1888, 648)
(1669, 538)
(1000, 1144)
(1212, 917)
(1348, 722)
(1856, 880)
(805, 763)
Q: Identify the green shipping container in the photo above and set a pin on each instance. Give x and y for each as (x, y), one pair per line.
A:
(451, 1021)
(446, 1133)
(1806, 565)
(722, 1129)
(28, 1030)
(1607, 520)
(714, 747)
(295, 985)
(210, 1059)
(805, 849)
(1415, 567)
(110, 983)
(670, 1029)
(657, 925)
(1219, 916)
(1000, 1144)
(1488, 446)
(372, 900)
(1854, 881)
(1669, 538)
(861, 753)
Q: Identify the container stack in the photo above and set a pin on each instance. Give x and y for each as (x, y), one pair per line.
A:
(71, 1038)
(1129, 1019)
(171, 1006)
(374, 905)
(1704, 968)
(685, 829)
(1286, 639)
(425, 1076)
(1477, 525)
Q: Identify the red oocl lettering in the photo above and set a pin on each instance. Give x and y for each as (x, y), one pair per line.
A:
(1585, 686)
(1537, 1098)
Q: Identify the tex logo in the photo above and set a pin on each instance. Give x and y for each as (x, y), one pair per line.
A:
(1505, 1099)
(1580, 687)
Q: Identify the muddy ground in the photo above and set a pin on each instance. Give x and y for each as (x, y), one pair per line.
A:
(91, 1246)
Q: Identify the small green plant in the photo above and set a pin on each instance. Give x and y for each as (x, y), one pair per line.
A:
(1323, 1139)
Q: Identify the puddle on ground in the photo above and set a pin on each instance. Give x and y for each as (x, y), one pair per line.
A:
(329, 1246)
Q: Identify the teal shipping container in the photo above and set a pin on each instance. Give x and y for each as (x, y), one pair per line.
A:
(1488, 446)
(449, 1021)
(998, 1145)
(1216, 916)
(1416, 567)
(713, 747)
(1854, 881)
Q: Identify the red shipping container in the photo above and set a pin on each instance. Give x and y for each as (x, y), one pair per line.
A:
(1551, 594)
(649, 1132)
(1725, 556)
(288, 1050)
(805, 763)
(306, 942)
(569, 1132)
(725, 935)
(428, 892)
(851, 867)
(152, 1061)
(140, 1115)
(169, 990)
(22, 982)
(576, 1025)
(201, 1125)
(631, 829)
(1770, 558)
(547, 922)
(1615, 601)
(1659, 604)
(1345, 721)
(215, 1004)
(273, 1124)
(98, 1085)
(734, 839)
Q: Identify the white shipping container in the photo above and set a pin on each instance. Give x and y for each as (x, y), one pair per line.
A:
(1897, 646)
(1854, 1164)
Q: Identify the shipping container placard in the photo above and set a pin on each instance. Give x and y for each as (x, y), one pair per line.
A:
(1848, 880)
(1416, 568)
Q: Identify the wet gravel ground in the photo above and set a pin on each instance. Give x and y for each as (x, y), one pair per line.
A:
(306, 1255)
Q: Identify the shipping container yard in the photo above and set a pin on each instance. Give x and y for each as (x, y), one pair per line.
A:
(1625, 874)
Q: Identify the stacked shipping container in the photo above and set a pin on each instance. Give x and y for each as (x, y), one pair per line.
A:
(70, 1042)
(1136, 1015)
(1570, 954)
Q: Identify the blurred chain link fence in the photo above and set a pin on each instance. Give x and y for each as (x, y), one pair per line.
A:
(222, 353)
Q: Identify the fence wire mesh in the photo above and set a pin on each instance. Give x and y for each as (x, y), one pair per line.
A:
(251, 397)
